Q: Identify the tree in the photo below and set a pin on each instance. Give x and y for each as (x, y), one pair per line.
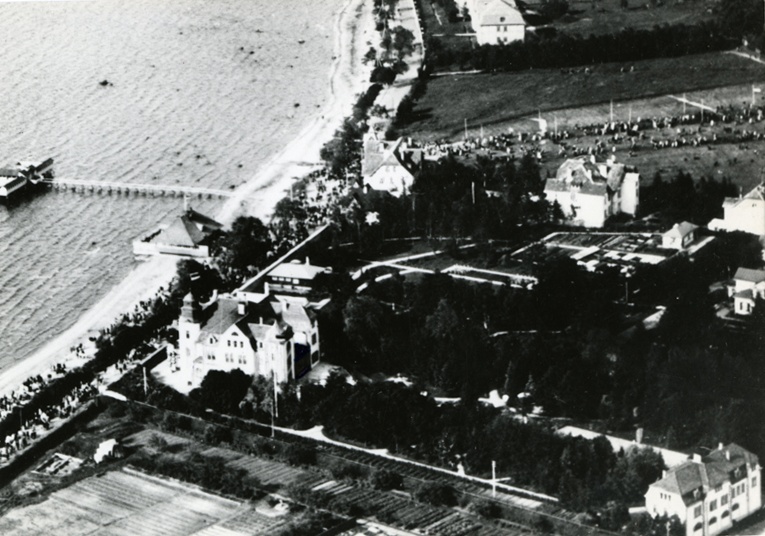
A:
(385, 480)
(246, 248)
(223, 391)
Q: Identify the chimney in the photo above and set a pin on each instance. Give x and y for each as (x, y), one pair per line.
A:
(727, 455)
(241, 308)
(720, 446)
(266, 289)
(307, 260)
(663, 474)
(696, 457)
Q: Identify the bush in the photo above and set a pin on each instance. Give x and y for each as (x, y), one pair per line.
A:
(342, 470)
(383, 479)
(215, 435)
(296, 454)
(487, 508)
(436, 493)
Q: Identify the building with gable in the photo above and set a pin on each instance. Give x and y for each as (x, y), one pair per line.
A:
(747, 288)
(496, 21)
(680, 236)
(188, 235)
(589, 193)
(709, 494)
(274, 338)
(744, 213)
(389, 166)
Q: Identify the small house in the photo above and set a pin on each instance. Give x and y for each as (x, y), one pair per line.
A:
(680, 236)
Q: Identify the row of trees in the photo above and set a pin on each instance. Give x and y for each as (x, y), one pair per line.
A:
(562, 50)
(682, 198)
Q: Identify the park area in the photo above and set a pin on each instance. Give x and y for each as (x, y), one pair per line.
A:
(499, 100)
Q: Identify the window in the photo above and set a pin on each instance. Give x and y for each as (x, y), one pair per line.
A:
(228, 343)
(713, 505)
(718, 488)
(723, 500)
(696, 527)
(725, 514)
(713, 521)
(754, 481)
(697, 511)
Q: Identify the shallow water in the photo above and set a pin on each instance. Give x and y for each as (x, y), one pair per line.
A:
(200, 93)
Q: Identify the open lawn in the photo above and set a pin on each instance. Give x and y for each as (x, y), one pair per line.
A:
(495, 100)
(607, 16)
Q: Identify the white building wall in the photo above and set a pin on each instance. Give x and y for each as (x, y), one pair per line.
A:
(748, 216)
(498, 34)
(630, 194)
(584, 210)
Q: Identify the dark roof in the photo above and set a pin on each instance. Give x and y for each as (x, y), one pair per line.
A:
(182, 232)
(713, 470)
(748, 274)
(222, 315)
(207, 223)
(681, 229)
(9, 172)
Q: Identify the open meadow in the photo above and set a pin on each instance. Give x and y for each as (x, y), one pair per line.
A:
(493, 101)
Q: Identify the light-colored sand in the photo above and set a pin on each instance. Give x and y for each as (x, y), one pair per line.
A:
(348, 77)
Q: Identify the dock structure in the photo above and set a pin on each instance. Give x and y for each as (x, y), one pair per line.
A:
(83, 185)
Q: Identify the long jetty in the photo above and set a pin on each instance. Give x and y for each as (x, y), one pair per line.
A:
(84, 185)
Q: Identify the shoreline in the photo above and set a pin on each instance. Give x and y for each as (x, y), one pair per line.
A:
(257, 197)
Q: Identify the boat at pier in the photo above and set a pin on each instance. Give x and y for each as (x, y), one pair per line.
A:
(16, 177)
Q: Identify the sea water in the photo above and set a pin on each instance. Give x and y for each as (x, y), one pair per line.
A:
(192, 92)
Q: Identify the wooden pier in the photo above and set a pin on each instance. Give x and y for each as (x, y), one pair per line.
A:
(80, 185)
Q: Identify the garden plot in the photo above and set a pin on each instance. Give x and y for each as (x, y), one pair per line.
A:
(128, 503)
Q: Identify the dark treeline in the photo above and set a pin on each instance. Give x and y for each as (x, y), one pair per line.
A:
(452, 199)
(682, 198)
(562, 50)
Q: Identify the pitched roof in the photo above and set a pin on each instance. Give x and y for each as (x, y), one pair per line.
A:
(9, 172)
(757, 193)
(224, 314)
(750, 275)
(715, 469)
(500, 12)
(207, 223)
(744, 295)
(182, 232)
(681, 229)
(297, 270)
(379, 153)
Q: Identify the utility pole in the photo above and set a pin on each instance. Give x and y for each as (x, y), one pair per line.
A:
(466, 129)
(612, 111)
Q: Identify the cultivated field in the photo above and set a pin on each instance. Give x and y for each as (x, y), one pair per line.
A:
(126, 503)
(496, 101)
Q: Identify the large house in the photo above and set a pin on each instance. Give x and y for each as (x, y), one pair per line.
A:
(589, 193)
(747, 289)
(389, 166)
(745, 213)
(496, 21)
(708, 494)
(276, 338)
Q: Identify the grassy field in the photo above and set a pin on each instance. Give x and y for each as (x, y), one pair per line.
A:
(495, 101)
(607, 16)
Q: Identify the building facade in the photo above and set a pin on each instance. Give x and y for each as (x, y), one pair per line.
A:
(276, 338)
(747, 288)
(389, 166)
(496, 21)
(589, 193)
(680, 236)
(745, 213)
(709, 494)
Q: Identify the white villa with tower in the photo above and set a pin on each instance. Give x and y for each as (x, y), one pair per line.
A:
(266, 328)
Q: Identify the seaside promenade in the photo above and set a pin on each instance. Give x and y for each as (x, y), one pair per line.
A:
(354, 27)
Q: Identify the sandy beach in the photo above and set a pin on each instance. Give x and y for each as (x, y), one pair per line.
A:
(354, 26)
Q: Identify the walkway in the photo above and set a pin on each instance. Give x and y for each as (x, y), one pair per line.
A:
(83, 185)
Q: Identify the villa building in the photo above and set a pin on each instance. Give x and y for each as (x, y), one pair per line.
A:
(745, 213)
(496, 21)
(709, 494)
(274, 338)
(747, 288)
(389, 166)
(589, 193)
